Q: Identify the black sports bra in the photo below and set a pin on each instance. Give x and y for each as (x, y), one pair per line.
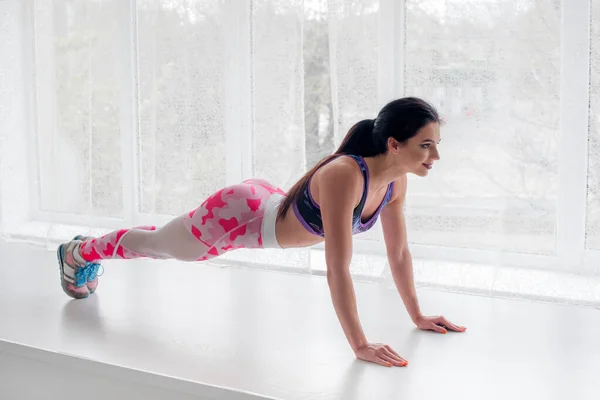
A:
(309, 213)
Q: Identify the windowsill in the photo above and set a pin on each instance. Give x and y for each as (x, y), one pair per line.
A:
(243, 333)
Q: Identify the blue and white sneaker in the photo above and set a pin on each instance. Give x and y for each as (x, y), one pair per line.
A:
(78, 279)
(92, 274)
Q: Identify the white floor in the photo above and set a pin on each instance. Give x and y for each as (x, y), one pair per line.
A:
(192, 328)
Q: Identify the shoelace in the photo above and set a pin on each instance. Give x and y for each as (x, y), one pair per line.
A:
(87, 273)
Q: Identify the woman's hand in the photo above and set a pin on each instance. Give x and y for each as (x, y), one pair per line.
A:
(380, 354)
(437, 324)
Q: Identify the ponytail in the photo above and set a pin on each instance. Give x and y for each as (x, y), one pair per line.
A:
(358, 141)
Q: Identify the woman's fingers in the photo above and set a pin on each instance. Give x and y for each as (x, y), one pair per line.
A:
(383, 361)
(437, 328)
(394, 352)
(389, 361)
(394, 360)
(382, 354)
(452, 326)
(395, 357)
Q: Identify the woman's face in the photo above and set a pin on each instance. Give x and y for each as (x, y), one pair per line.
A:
(420, 152)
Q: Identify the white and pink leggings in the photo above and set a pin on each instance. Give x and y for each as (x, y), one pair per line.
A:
(238, 216)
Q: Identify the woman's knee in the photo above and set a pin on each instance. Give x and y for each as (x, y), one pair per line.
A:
(178, 242)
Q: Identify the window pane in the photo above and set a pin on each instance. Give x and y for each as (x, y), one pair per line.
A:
(79, 96)
(277, 91)
(493, 70)
(593, 210)
(354, 38)
(181, 77)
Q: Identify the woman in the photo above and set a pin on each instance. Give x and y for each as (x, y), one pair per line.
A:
(344, 194)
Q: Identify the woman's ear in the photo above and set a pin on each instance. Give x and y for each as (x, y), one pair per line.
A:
(393, 144)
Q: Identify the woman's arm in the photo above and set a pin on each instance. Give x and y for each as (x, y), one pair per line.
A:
(399, 258)
(394, 232)
(339, 191)
(340, 188)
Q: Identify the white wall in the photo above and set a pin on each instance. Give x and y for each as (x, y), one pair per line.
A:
(25, 379)
(32, 374)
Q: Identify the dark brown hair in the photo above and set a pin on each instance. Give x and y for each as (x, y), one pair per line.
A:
(400, 119)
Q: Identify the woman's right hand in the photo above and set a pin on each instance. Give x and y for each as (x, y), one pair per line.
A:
(381, 354)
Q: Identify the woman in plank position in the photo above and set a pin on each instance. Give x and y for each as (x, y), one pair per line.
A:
(344, 194)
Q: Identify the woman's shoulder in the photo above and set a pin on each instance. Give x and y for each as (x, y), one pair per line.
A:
(342, 169)
(340, 177)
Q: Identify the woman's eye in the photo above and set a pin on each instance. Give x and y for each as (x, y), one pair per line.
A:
(425, 146)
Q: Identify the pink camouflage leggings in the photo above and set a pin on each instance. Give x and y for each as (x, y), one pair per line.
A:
(227, 220)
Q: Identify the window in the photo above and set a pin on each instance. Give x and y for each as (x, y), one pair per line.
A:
(278, 87)
(182, 58)
(79, 106)
(144, 108)
(493, 70)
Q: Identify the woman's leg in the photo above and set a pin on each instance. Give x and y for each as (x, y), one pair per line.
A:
(171, 241)
(79, 259)
(229, 219)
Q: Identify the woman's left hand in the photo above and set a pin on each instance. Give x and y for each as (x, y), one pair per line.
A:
(437, 324)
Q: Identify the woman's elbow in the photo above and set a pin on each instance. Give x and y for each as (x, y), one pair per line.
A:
(337, 274)
(399, 255)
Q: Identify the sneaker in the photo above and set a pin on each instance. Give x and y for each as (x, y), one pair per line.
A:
(92, 276)
(74, 276)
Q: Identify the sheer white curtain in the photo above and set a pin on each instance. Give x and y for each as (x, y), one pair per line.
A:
(16, 88)
(593, 203)
(119, 113)
(496, 185)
